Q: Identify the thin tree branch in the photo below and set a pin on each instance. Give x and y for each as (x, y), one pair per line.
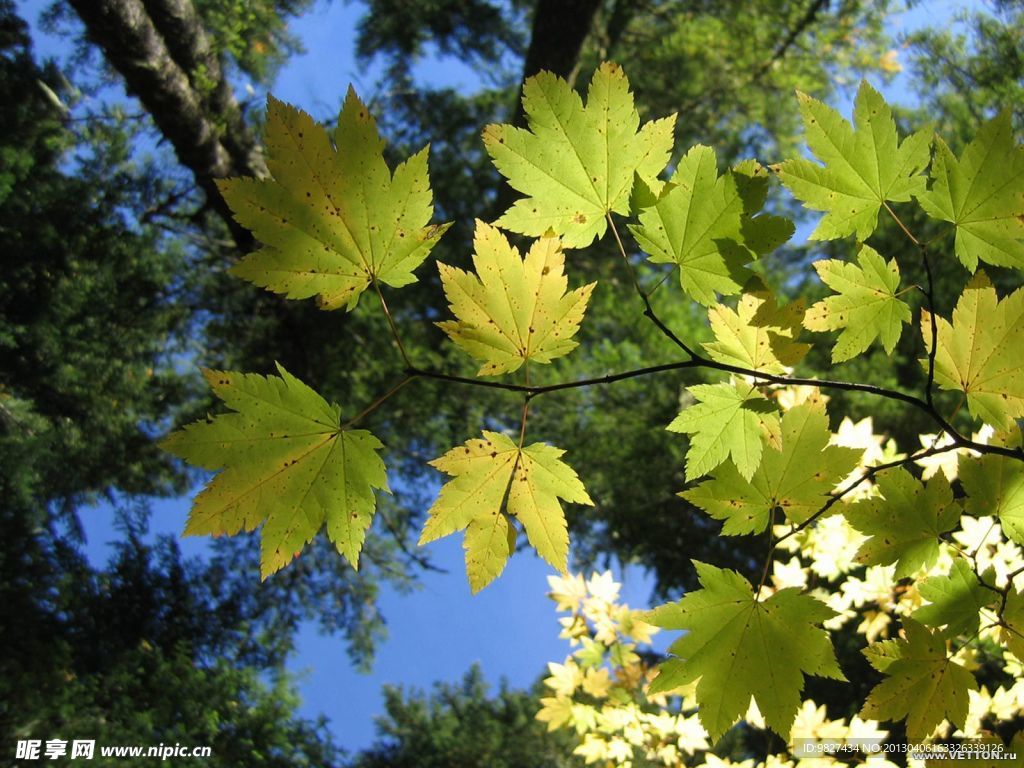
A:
(959, 441)
(869, 474)
(136, 49)
(787, 42)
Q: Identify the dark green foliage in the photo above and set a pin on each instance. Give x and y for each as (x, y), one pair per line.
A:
(153, 649)
(479, 33)
(460, 725)
(253, 33)
(88, 326)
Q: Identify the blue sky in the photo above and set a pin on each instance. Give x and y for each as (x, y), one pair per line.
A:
(439, 631)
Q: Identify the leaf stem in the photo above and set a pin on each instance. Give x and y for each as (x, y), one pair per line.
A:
(391, 324)
(379, 401)
(625, 258)
(929, 294)
(901, 225)
(526, 410)
(769, 557)
(648, 308)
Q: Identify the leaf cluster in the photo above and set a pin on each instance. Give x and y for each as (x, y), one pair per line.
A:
(336, 222)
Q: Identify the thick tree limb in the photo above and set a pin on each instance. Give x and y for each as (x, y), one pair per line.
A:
(189, 46)
(133, 46)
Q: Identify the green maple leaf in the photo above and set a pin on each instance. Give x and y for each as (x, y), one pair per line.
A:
(1012, 631)
(740, 647)
(904, 526)
(492, 479)
(758, 335)
(866, 307)
(865, 165)
(729, 420)
(978, 353)
(705, 224)
(287, 464)
(954, 600)
(332, 218)
(576, 163)
(995, 486)
(796, 479)
(923, 685)
(882, 654)
(514, 309)
(982, 194)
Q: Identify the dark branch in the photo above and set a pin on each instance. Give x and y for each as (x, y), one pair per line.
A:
(136, 49)
(560, 28)
(959, 441)
(794, 34)
(189, 45)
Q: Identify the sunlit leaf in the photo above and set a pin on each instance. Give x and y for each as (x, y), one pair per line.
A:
(514, 309)
(982, 193)
(493, 479)
(866, 305)
(287, 464)
(332, 218)
(739, 647)
(865, 165)
(576, 163)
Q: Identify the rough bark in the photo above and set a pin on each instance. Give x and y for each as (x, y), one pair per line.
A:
(135, 48)
(189, 45)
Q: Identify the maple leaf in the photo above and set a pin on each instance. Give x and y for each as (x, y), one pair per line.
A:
(865, 165)
(705, 224)
(905, 524)
(287, 463)
(556, 711)
(922, 685)
(796, 479)
(882, 654)
(740, 647)
(977, 353)
(576, 163)
(514, 309)
(995, 486)
(954, 600)
(1012, 631)
(493, 478)
(332, 221)
(729, 420)
(982, 193)
(758, 335)
(866, 306)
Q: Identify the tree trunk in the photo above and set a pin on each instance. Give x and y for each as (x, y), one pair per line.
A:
(134, 46)
(559, 30)
(186, 39)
